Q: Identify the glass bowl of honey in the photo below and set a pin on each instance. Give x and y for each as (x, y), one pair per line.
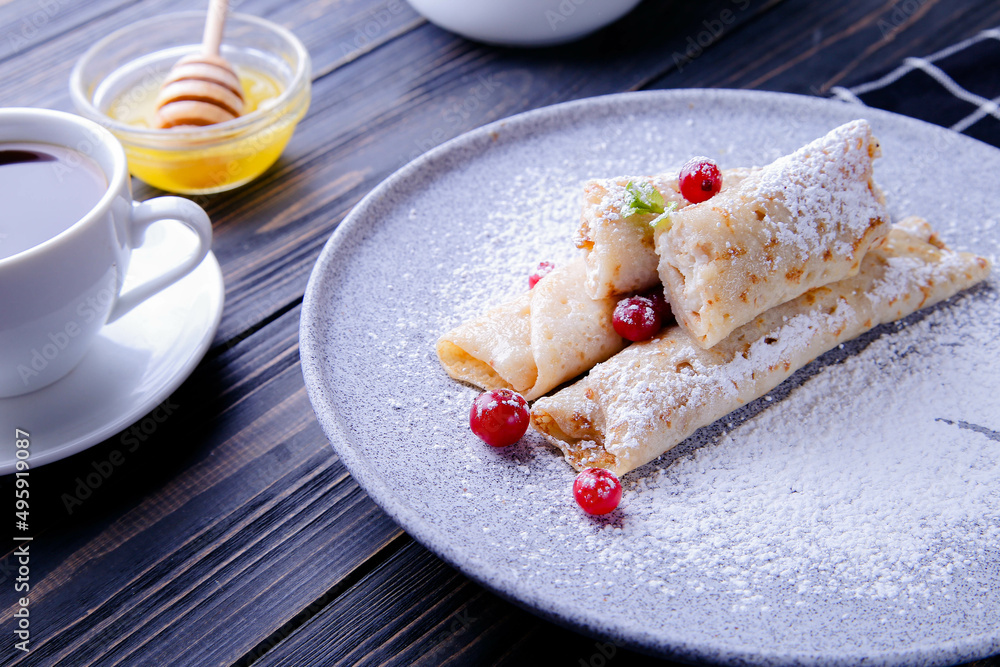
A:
(116, 81)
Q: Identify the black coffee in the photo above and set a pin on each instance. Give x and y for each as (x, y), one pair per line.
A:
(44, 190)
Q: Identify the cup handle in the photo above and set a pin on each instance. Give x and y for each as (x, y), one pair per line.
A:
(145, 214)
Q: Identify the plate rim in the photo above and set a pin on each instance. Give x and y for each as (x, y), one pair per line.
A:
(311, 357)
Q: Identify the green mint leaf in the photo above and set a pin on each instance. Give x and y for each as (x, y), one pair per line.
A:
(641, 198)
(663, 220)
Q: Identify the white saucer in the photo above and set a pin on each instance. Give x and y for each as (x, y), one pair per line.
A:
(132, 366)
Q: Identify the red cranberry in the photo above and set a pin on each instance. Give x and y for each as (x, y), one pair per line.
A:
(544, 268)
(636, 318)
(660, 304)
(700, 179)
(597, 491)
(499, 417)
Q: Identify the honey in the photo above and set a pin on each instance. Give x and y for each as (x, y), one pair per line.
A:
(116, 82)
(176, 162)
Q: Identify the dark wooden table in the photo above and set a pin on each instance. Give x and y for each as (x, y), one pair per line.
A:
(232, 535)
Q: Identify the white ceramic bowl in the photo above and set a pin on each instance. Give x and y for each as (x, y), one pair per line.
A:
(523, 22)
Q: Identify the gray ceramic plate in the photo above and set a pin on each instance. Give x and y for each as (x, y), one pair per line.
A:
(853, 514)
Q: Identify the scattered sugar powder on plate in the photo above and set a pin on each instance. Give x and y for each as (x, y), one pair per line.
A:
(844, 489)
(853, 511)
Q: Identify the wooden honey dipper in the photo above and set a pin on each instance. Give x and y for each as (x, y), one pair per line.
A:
(201, 89)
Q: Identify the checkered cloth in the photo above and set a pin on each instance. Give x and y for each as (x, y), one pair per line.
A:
(958, 87)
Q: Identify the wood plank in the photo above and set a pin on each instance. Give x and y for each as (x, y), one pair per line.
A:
(335, 32)
(232, 513)
(24, 26)
(855, 42)
(415, 610)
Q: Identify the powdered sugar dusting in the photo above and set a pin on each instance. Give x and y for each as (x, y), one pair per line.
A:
(825, 186)
(844, 501)
(901, 271)
(639, 394)
(698, 385)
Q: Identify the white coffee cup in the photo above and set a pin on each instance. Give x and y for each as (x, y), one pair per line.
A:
(57, 295)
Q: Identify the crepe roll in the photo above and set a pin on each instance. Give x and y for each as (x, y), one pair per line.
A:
(534, 343)
(805, 220)
(617, 238)
(651, 396)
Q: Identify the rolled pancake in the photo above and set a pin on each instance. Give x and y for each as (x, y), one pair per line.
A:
(539, 340)
(653, 395)
(621, 258)
(805, 220)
